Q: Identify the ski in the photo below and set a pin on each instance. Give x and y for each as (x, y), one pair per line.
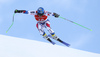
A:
(60, 41)
(66, 44)
(63, 42)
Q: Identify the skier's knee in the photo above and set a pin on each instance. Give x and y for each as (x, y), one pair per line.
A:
(48, 25)
(44, 34)
(53, 34)
(37, 25)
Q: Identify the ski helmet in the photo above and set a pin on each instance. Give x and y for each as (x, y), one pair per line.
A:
(40, 11)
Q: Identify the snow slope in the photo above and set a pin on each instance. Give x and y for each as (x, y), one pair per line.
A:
(17, 47)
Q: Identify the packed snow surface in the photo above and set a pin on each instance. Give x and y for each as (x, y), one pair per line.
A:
(18, 47)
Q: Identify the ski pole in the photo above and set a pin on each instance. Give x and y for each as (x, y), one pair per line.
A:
(12, 23)
(75, 23)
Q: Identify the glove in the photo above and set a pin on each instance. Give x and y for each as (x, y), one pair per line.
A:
(19, 11)
(56, 15)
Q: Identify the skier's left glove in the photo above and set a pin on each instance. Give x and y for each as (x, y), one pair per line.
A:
(19, 11)
(56, 15)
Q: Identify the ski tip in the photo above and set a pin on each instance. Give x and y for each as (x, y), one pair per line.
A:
(68, 45)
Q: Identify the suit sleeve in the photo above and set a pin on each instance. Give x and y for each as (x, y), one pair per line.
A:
(48, 13)
(29, 12)
(52, 14)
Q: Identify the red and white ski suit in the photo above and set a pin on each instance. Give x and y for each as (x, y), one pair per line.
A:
(42, 21)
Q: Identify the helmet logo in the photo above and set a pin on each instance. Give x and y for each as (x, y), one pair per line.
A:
(40, 9)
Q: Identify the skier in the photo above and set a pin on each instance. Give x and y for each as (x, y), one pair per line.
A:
(43, 22)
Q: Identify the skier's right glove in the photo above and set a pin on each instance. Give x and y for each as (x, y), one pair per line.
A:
(19, 11)
(56, 15)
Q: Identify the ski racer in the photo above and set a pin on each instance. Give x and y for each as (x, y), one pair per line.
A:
(41, 17)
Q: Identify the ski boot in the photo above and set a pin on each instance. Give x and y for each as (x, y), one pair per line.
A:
(47, 38)
(55, 37)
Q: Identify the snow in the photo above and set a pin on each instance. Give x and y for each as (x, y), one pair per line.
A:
(18, 47)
